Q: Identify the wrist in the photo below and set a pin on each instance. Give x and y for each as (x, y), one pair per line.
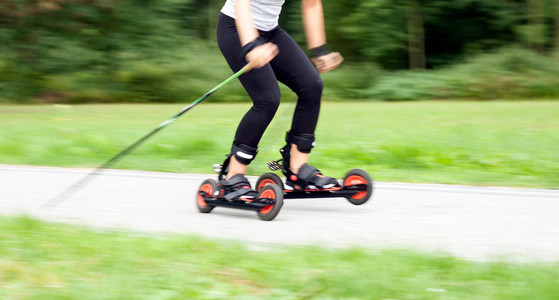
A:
(320, 51)
(251, 45)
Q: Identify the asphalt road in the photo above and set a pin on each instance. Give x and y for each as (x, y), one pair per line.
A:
(475, 223)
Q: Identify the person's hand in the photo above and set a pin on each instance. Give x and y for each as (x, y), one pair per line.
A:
(261, 55)
(327, 62)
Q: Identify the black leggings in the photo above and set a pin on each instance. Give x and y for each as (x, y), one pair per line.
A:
(291, 67)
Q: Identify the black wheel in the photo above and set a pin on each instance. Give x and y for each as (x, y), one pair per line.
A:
(207, 188)
(268, 178)
(358, 176)
(270, 191)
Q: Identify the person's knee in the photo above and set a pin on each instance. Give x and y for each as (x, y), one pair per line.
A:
(274, 103)
(312, 89)
(317, 85)
(268, 104)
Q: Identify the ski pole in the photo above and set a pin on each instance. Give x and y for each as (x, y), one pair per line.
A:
(64, 195)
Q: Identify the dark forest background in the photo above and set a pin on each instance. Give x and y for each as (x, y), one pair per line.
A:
(75, 51)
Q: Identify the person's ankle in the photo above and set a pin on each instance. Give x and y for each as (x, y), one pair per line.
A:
(229, 175)
(294, 170)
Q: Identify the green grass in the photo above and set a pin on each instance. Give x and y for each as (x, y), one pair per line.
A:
(508, 143)
(41, 260)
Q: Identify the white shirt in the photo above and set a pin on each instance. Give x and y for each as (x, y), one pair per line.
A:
(265, 13)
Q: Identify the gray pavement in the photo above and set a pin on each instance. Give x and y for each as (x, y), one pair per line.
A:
(475, 223)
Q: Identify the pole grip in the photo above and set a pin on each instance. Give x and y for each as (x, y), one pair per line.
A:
(249, 66)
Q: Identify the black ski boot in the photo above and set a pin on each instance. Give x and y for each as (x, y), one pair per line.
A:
(237, 188)
(308, 176)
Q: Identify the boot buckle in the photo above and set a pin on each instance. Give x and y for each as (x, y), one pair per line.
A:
(275, 165)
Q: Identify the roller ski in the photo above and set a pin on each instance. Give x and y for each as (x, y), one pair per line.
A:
(236, 192)
(356, 187)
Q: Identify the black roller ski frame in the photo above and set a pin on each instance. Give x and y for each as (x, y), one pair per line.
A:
(356, 187)
(267, 204)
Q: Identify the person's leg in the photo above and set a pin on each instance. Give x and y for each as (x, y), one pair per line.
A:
(262, 87)
(293, 68)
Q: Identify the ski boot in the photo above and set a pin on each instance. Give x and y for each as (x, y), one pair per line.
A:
(357, 185)
(308, 177)
(236, 192)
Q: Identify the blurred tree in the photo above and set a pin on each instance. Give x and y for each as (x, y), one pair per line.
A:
(459, 28)
(391, 33)
(40, 38)
(416, 35)
(535, 28)
(199, 17)
(556, 31)
(396, 34)
(369, 31)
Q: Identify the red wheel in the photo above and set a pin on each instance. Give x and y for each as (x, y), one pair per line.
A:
(270, 191)
(207, 188)
(359, 177)
(268, 178)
